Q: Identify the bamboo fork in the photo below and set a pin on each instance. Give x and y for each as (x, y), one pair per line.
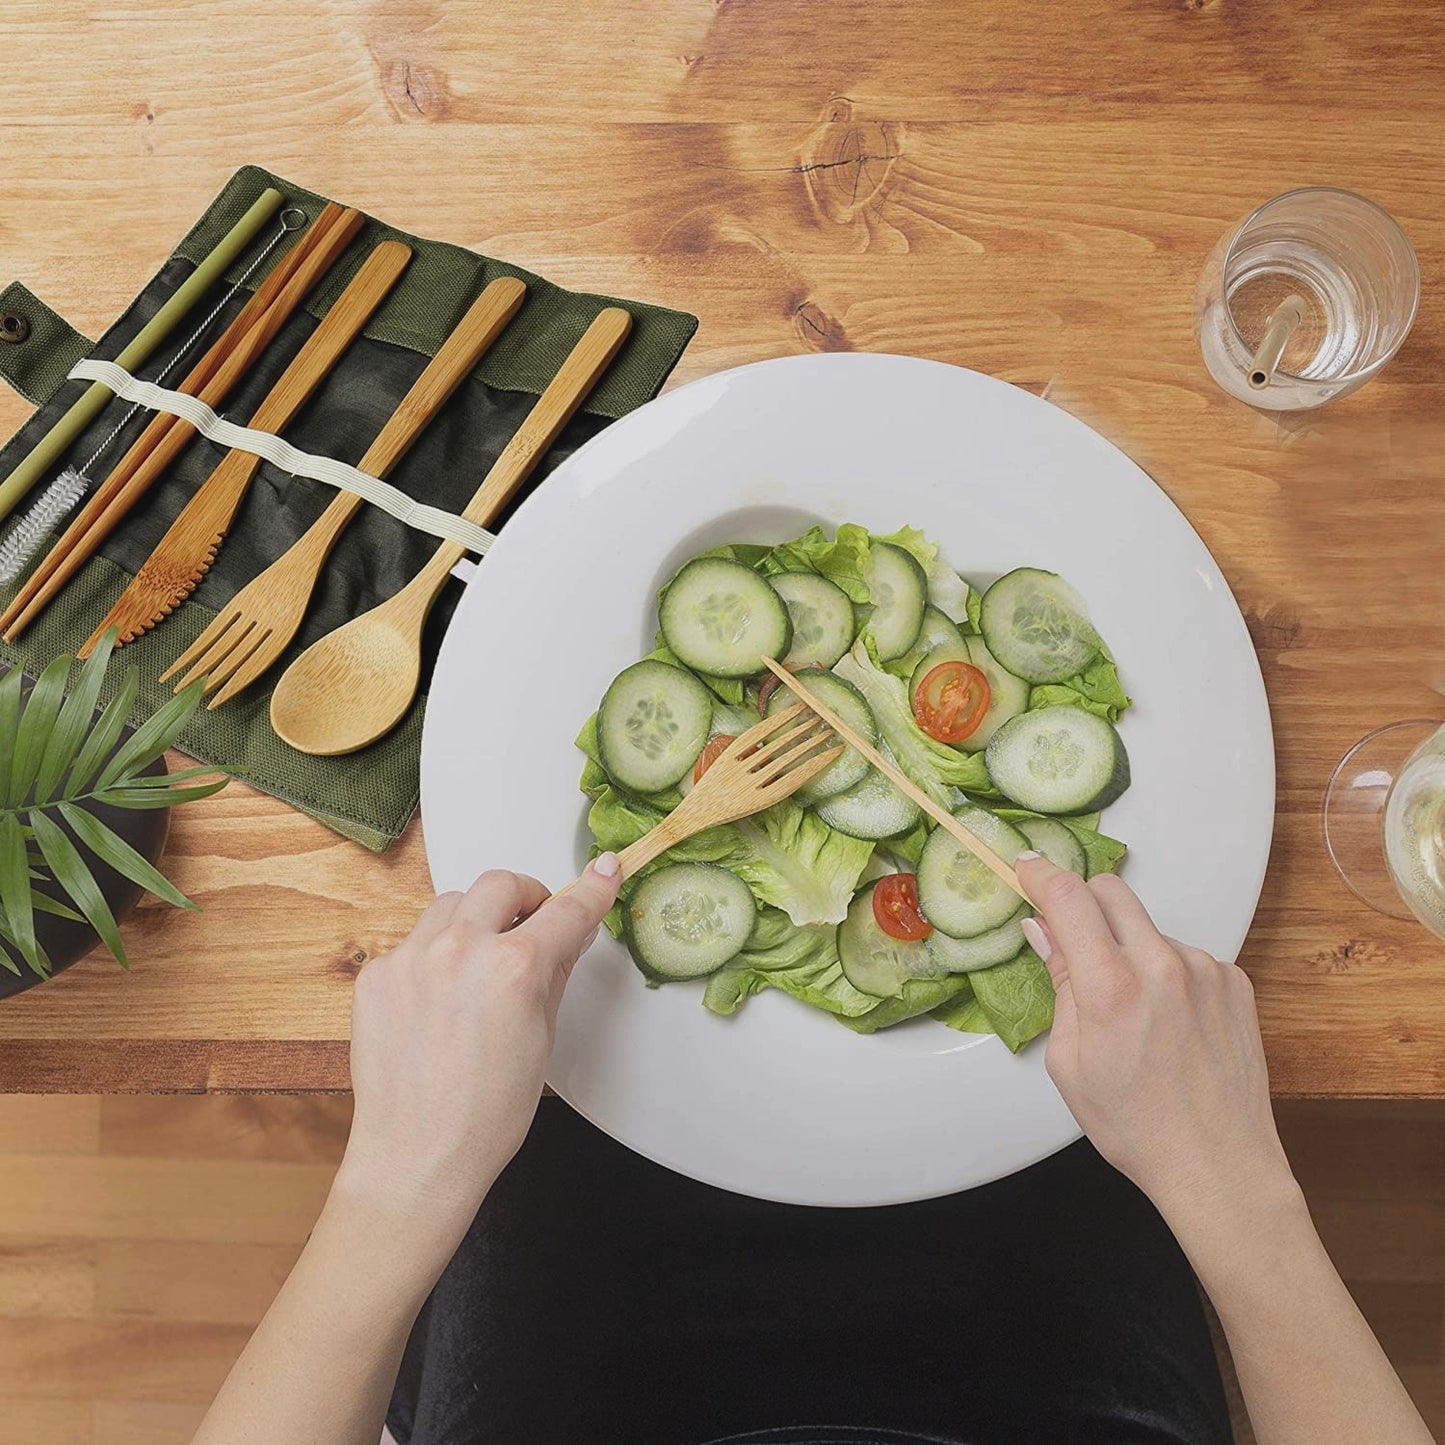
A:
(210, 380)
(768, 763)
(355, 684)
(254, 628)
(183, 556)
(900, 780)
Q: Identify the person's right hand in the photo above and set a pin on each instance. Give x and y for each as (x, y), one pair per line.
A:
(1155, 1048)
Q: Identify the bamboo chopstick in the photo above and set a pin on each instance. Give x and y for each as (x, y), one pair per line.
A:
(904, 784)
(210, 380)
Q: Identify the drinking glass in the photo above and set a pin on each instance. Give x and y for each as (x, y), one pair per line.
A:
(1384, 820)
(1357, 281)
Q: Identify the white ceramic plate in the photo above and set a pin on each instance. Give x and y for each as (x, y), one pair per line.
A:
(779, 1101)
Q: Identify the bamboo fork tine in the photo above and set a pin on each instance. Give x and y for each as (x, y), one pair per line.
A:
(754, 771)
(900, 780)
(273, 603)
(158, 445)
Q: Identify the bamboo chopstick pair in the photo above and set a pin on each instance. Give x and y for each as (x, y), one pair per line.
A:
(211, 379)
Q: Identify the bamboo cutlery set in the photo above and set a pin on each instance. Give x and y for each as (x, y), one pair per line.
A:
(356, 683)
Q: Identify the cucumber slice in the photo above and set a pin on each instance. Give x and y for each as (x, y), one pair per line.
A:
(847, 702)
(873, 809)
(873, 962)
(898, 590)
(1008, 695)
(688, 920)
(721, 618)
(937, 631)
(984, 950)
(1056, 842)
(1037, 626)
(1058, 760)
(956, 892)
(652, 724)
(822, 616)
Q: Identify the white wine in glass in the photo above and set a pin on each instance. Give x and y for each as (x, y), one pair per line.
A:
(1385, 821)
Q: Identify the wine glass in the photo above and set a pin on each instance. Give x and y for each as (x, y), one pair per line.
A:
(1384, 820)
(1306, 299)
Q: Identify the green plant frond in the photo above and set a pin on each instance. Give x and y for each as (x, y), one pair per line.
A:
(34, 729)
(44, 903)
(71, 727)
(151, 738)
(130, 797)
(9, 718)
(105, 735)
(55, 757)
(15, 890)
(111, 848)
(69, 870)
(165, 780)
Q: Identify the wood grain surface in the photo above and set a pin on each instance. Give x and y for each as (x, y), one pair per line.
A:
(1027, 189)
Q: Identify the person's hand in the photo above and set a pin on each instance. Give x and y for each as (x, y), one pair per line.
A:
(450, 1037)
(1155, 1048)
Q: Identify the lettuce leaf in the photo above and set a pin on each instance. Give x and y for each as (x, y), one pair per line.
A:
(963, 1013)
(933, 766)
(843, 560)
(1016, 997)
(948, 592)
(919, 996)
(802, 962)
(1097, 689)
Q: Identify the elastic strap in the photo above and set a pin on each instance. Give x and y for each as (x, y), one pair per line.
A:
(393, 501)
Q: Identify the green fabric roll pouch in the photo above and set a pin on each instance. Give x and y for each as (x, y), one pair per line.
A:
(368, 795)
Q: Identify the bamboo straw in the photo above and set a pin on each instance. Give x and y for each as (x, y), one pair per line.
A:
(49, 449)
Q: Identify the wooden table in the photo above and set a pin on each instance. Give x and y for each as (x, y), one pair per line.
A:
(1028, 189)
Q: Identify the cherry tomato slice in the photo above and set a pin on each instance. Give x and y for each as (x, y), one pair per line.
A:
(710, 754)
(895, 908)
(951, 701)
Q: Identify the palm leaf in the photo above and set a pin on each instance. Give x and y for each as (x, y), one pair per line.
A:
(130, 797)
(105, 736)
(152, 738)
(15, 904)
(68, 734)
(9, 714)
(33, 732)
(165, 780)
(111, 848)
(44, 903)
(70, 872)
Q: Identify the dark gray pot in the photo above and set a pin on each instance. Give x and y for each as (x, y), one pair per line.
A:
(66, 941)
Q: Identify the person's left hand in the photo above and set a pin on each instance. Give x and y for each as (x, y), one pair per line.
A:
(450, 1037)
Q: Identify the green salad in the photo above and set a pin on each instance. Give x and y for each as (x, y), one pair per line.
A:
(1000, 705)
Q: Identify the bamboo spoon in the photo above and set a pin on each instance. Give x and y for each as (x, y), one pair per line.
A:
(210, 379)
(258, 623)
(184, 555)
(768, 763)
(901, 781)
(355, 684)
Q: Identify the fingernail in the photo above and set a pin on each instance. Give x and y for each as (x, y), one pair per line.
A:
(1027, 856)
(1038, 939)
(607, 865)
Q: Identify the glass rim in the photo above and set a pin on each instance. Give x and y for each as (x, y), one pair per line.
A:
(1434, 724)
(1365, 372)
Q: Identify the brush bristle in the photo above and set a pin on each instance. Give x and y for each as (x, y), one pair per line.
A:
(54, 505)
